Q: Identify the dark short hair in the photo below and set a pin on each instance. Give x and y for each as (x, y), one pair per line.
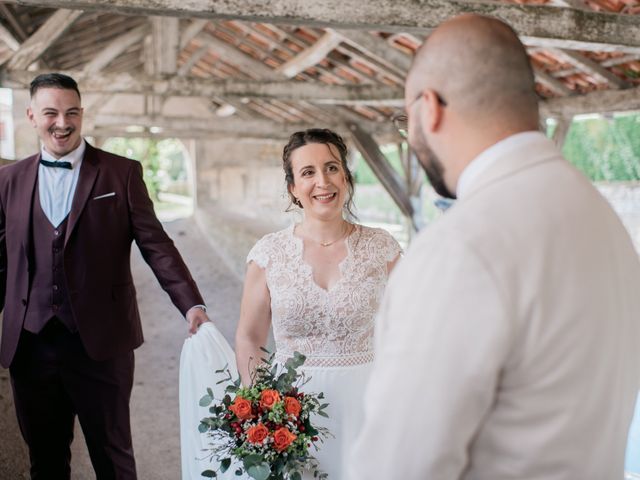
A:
(53, 80)
(317, 135)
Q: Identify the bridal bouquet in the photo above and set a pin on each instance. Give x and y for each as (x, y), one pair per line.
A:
(265, 430)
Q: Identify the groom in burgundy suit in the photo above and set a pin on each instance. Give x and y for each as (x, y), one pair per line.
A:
(68, 216)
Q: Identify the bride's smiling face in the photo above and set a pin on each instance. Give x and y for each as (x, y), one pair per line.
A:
(319, 180)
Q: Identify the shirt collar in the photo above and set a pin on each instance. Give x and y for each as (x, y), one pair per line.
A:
(488, 156)
(74, 156)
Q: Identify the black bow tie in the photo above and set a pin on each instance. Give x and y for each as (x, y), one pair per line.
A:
(47, 163)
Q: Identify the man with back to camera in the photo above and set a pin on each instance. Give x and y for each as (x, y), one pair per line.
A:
(507, 343)
(68, 216)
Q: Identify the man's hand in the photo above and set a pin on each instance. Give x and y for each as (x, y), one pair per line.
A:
(196, 316)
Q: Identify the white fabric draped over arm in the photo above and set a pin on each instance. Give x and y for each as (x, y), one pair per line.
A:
(202, 354)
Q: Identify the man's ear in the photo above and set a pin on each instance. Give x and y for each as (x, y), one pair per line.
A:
(30, 116)
(432, 114)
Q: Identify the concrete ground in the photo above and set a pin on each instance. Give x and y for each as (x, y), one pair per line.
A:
(154, 402)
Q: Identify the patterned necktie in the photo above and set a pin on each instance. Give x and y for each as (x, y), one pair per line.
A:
(47, 163)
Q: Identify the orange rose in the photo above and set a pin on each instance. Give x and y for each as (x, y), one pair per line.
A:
(292, 406)
(242, 408)
(282, 438)
(269, 398)
(257, 433)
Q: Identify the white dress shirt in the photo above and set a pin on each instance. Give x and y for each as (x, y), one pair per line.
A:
(56, 186)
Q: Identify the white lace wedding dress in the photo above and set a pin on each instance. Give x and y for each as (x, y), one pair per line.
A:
(333, 328)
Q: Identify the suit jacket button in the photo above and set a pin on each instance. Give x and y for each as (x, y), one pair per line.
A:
(24, 302)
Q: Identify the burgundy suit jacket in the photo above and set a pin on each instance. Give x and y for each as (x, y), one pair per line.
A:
(96, 253)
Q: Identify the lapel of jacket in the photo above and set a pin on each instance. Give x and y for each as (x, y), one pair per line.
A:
(25, 197)
(88, 174)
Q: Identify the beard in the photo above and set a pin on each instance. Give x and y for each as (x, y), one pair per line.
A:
(431, 165)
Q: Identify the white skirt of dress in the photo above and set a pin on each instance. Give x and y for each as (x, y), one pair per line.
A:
(343, 389)
(208, 351)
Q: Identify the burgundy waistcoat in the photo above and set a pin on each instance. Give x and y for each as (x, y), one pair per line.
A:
(48, 296)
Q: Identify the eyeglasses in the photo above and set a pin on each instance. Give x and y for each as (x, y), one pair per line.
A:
(401, 119)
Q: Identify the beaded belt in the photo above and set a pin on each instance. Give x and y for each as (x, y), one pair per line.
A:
(320, 360)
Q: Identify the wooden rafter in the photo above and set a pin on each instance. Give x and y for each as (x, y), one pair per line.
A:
(581, 29)
(312, 55)
(166, 41)
(378, 49)
(390, 180)
(588, 66)
(230, 126)
(115, 48)
(322, 94)
(32, 48)
(552, 83)
(599, 101)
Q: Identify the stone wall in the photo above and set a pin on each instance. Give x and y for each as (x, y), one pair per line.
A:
(240, 195)
(25, 136)
(625, 200)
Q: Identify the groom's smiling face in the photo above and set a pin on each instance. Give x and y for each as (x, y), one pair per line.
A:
(56, 115)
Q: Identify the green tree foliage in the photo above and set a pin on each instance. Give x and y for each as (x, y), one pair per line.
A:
(162, 161)
(605, 149)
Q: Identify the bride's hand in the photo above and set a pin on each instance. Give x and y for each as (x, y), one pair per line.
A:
(196, 316)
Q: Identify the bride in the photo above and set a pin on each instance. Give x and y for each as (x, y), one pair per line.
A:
(318, 283)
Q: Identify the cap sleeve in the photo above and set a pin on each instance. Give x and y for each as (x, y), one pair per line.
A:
(259, 253)
(390, 248)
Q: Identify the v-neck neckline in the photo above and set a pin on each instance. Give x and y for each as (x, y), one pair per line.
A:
(299, 241)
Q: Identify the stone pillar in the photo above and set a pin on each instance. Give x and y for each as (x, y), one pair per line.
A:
(25, 137)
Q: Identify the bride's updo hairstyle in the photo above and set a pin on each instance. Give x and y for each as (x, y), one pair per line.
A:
(316, 135)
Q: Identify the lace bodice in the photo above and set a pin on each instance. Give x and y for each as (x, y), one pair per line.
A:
(331, 327)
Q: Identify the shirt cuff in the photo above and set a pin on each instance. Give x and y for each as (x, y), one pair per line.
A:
(201, 307)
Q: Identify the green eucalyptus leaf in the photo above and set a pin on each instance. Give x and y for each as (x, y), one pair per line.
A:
(206, 400)
(209, 474)
(203, 427)
(259, 472)
(251, 460)
(225, 464)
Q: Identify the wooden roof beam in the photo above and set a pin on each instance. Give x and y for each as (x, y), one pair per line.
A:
(610, 62)
(214, 125)
(10, 41)
(312, 55)
(232, 55)
(578, 4)
(192, 31)
(378, 49)
(115, 48)
(590, 67)
(594, 102)
(576, 29)
(382, 169)
(599, 101)
(15, 23)
(38, 43)
(166, 42)
(175, 85)
(552, 83)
